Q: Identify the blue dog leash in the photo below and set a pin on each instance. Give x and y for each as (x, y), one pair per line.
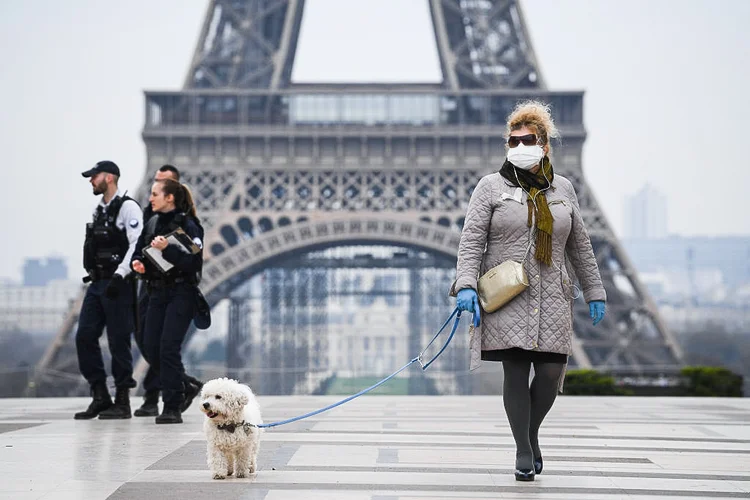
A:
(456, 312)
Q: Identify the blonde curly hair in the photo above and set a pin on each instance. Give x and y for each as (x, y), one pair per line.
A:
(536, 116)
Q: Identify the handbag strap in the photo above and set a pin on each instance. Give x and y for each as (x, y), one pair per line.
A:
(528, 247)
(531, 229)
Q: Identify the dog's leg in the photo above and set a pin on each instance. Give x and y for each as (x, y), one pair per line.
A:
(217, 462)
(229, 457)
(242, 455)
(254, 448)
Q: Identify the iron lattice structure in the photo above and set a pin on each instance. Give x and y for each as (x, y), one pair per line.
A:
(280, 169)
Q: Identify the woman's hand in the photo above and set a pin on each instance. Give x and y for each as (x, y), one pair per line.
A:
(467, 300)
(160, 243)
(138, 267)
(597, 308)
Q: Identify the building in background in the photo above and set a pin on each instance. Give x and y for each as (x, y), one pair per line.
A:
(31, 313)
(697, 280)
(39, 272)
(645, 215)
(36, 310)
(695, 262)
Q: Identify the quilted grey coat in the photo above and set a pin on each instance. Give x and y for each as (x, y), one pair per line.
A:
(539, 318)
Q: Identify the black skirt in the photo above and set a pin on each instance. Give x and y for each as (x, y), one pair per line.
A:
(518, 354)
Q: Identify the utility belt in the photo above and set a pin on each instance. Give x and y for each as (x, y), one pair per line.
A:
(98, 275)
(160, 283)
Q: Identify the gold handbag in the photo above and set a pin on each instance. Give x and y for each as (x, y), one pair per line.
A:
(500, 284)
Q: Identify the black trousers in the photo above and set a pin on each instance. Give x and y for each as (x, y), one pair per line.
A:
(170, 311)
(151, 382)
(97, 312)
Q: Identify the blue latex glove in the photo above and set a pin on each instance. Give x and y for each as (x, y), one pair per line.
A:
(597, 308)
(467, 300)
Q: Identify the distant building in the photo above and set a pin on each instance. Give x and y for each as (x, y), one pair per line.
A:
(366, 333)
(36, 309)
(39, 272)
(730, 255)
(370, 342)
(645, 215)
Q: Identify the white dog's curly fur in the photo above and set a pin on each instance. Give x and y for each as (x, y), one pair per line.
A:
(231, 414)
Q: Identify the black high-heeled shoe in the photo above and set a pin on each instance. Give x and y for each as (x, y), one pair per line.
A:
(524, 474)
(538, 465)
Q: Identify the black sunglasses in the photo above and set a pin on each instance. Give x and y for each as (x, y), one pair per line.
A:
(527, 140)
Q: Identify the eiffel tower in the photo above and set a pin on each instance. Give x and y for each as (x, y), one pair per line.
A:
(284, 172)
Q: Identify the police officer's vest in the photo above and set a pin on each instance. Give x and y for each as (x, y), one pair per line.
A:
(106, 244)
(149, 233)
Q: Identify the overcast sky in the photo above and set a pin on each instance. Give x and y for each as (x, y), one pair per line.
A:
(667, 97)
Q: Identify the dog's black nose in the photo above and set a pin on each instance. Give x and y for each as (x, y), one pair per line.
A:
(206, 405)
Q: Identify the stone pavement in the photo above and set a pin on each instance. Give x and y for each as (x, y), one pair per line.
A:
(387, 448)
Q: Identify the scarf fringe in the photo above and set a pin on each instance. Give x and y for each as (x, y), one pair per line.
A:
(543, 251)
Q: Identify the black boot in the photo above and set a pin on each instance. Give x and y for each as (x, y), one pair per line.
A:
(101, 401)
(121, 409)
(150, 407)
(192, 389)
(169, 416)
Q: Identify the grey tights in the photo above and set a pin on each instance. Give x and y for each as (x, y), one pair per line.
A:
(527, 406)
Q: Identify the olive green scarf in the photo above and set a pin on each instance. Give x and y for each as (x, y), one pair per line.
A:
(533, 184)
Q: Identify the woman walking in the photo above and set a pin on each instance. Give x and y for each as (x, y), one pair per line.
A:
(527, 213)
(173, 294)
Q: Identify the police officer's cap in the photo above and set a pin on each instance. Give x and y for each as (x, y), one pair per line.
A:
(103, 166)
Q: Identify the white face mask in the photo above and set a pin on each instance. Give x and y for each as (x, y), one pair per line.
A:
(525, 157)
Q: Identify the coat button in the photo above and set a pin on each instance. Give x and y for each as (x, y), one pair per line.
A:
(536, 310)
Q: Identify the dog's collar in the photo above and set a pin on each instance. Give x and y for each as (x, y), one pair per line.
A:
(232, 426)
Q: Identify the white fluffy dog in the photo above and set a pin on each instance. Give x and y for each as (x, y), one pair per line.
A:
(232, 412)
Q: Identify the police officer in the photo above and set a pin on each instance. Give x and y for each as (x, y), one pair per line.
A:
(173, 294)
(151, 383)
(109, 300)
